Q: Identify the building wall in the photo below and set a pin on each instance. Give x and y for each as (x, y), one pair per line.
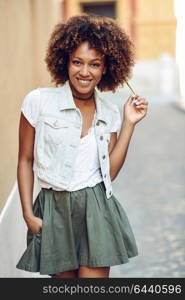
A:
(180, 49)
(156, 28)
(151, 24)
(25, 28)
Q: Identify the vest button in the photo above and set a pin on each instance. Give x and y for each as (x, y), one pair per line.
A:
(68, 166)
(105, 175)
(56, 123)
(103, 156)
(101, 137)
(110, 193)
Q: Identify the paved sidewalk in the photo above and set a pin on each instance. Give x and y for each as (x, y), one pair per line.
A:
(151, 188)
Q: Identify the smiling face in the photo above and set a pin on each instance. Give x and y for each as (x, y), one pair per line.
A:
(85, 69)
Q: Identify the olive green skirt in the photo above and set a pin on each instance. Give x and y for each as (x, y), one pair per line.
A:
(79, 228)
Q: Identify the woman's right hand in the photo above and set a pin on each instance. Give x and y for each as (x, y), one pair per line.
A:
(33, 223)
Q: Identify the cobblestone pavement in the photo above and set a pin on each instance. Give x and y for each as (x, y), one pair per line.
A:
(151, 188)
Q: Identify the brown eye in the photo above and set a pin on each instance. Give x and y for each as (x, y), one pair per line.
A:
(76, 62)
(95, 65)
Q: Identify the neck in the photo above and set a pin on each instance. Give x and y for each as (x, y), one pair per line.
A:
(91, 97)
(79, 96)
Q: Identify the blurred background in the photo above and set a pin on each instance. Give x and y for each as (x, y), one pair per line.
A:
(150, 185)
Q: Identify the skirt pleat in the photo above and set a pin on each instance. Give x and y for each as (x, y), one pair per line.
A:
(79, 228)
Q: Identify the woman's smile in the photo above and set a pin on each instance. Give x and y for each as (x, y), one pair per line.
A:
(84, 82)
(85, 69)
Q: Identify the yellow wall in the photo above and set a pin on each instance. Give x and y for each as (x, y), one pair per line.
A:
(25, 29)
(156, 28)
(155, 24)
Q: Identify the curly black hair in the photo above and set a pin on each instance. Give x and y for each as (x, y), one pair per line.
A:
(104, 35)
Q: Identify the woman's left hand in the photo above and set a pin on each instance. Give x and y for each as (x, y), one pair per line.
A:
(135, 109)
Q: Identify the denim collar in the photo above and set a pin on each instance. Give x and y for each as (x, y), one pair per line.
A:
(65, 101)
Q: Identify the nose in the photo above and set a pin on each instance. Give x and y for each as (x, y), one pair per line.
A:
(84, 71)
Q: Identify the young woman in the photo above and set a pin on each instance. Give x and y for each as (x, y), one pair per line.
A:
(68, 137)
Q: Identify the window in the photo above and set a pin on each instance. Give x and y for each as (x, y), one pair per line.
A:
(106, 9)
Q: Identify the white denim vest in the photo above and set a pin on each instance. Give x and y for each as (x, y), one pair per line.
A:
(58, 131)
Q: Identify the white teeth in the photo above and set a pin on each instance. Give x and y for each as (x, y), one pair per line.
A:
(84, 81)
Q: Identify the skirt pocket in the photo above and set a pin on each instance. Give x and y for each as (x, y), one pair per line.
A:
(30, 260)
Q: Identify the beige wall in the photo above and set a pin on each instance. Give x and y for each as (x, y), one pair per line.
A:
(25, 26)
(150, 23)
(156, 28)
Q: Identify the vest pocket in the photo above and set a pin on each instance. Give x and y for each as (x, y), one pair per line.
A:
(55, 130)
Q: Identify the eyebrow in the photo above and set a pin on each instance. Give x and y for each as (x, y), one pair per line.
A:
(91, 60)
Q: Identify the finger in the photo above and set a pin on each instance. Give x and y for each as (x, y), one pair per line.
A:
(141, 107)
(139, 104)
(133, 99)
(141, 101)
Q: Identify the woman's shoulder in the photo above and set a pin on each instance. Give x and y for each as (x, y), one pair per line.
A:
(30, 106)
(50, 89)
(37, 91)
(35, 101)
(32, 97)
(36, 95)
(33, 93)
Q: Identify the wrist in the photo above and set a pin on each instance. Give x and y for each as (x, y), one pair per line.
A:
(28, 215)
(127, 123)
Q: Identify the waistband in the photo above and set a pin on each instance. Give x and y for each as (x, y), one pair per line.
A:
(88, 187)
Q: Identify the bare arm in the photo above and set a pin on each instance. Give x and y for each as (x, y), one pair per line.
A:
(133, 113)
(120, 148)
(25, 176)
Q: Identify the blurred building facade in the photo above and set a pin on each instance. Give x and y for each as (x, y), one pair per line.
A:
(25, 28)
(180, 48)
(150, 23)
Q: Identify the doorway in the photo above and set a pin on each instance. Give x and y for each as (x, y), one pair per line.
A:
(106, 9)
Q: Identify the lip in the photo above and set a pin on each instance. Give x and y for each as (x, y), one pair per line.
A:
(78, 78)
